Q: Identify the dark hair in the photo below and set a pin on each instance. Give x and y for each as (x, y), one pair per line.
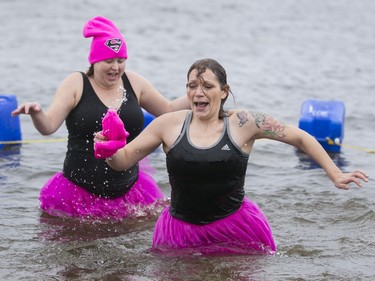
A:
(220, 73)
(90, 70)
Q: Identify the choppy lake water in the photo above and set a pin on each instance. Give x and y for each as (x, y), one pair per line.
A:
(277, 55)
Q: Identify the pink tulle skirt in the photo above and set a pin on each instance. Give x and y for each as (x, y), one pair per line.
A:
(246, 231)
(61, 197)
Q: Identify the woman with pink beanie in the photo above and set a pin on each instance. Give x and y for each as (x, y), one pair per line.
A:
(87, 186)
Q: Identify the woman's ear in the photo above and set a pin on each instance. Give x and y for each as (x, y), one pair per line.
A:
(224, 94)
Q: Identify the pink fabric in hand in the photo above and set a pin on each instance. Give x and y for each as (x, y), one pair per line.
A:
(114, 130)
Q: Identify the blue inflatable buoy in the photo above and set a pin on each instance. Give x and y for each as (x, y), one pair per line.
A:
(325, 121)
(10, 129)
(148, 117)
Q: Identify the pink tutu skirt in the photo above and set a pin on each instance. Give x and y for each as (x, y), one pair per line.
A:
(244, 232)
(61, 197)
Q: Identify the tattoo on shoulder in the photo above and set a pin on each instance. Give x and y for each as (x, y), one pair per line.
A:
(270, 126)
(243, 118)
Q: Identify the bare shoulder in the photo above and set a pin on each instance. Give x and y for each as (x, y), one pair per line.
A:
(141, 86)
(73, 79)
(173, 117)
(72, 84)
(168, 127)
(245, 116)
(169, 121)
(242, 117)
(261, 124)
(133, 76)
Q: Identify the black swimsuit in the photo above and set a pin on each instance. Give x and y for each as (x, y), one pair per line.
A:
(80, 165)
(207, 184)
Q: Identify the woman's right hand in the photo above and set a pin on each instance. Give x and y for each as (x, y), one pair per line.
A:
(27, 108)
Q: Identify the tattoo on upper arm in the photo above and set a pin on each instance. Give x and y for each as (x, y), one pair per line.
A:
(243, 118)
(269, 126)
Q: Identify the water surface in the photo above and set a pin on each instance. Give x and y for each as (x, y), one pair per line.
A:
(277, 55)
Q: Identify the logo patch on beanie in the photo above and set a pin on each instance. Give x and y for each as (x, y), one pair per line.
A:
(114, 44)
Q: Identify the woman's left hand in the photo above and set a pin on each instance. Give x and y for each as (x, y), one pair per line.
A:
(344, 179)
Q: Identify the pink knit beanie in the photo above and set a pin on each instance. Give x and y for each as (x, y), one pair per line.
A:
(107, 42)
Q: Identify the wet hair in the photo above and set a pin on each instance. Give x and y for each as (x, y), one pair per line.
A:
(201, 66)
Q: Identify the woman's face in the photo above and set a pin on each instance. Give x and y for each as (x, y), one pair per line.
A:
(110, 71)
(205, 93)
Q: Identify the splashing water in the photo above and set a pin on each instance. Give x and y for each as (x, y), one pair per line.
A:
(116, 105)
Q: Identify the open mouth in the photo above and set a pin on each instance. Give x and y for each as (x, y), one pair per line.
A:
(200, 105)
(112, 75)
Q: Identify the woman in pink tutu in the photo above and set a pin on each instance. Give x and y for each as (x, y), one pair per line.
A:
(87, 186)
(207, 151)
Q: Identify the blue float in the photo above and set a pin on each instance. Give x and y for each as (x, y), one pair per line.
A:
(148, 117)
(325, 121)
(10, 128)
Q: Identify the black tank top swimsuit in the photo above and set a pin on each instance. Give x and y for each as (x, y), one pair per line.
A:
(207, 183)
(80, 165)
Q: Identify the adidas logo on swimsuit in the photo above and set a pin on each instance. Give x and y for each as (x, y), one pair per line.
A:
(225, 147)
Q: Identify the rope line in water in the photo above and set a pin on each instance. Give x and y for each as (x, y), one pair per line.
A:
(329, 141)
(33, 141)
(337, 142)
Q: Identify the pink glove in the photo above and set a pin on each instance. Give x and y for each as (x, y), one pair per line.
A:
(114, 130)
